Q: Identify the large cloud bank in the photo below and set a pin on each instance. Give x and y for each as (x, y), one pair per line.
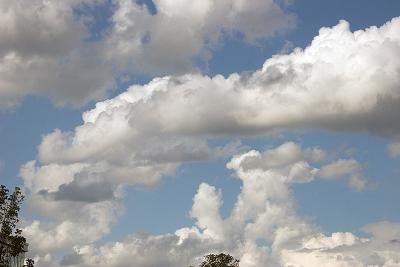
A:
(343, 80)
(47, 48)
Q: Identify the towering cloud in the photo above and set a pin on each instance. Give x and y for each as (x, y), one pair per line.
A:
(263, 228)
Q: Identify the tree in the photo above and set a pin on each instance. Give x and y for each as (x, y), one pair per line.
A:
(30, 263)
(219, 260)
(13, 243)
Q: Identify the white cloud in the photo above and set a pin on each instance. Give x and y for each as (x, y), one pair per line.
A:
(308, 88)
(207, 203)
(342, 81)
(70, 214)
(264, 210)
(329, 242)
(384, 231)
(46, 49)
(148, 131)
(65, 225)
(349, 168)
(345, 249)
(340, 168)
(43, 53)
(285, 154)
(263, 206)
(171, 38)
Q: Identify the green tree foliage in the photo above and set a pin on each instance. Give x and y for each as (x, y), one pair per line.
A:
(219, 260)
(11, 237)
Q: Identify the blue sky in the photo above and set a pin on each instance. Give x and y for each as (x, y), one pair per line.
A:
(150, 167)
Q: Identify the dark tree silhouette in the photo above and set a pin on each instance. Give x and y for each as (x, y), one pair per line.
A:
(219, 260)
(12, 241)
(30, 263)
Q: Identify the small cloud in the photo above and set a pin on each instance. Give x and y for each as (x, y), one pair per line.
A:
(345, 168)
(339, 168)
(357, 183)
(393, 149)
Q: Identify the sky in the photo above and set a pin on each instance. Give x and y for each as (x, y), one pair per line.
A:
(150, 133)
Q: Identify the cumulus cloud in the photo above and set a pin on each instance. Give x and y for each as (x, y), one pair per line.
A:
(345, 249)
(264, 210)
(168, 40)
(342, 81)
(349, 168)
(70, 214)
(287, 153)
(207, 203)
(65, 225)
(149, 130)
(42, 53)
(263, 206)
(47, 49)
(339, 168)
